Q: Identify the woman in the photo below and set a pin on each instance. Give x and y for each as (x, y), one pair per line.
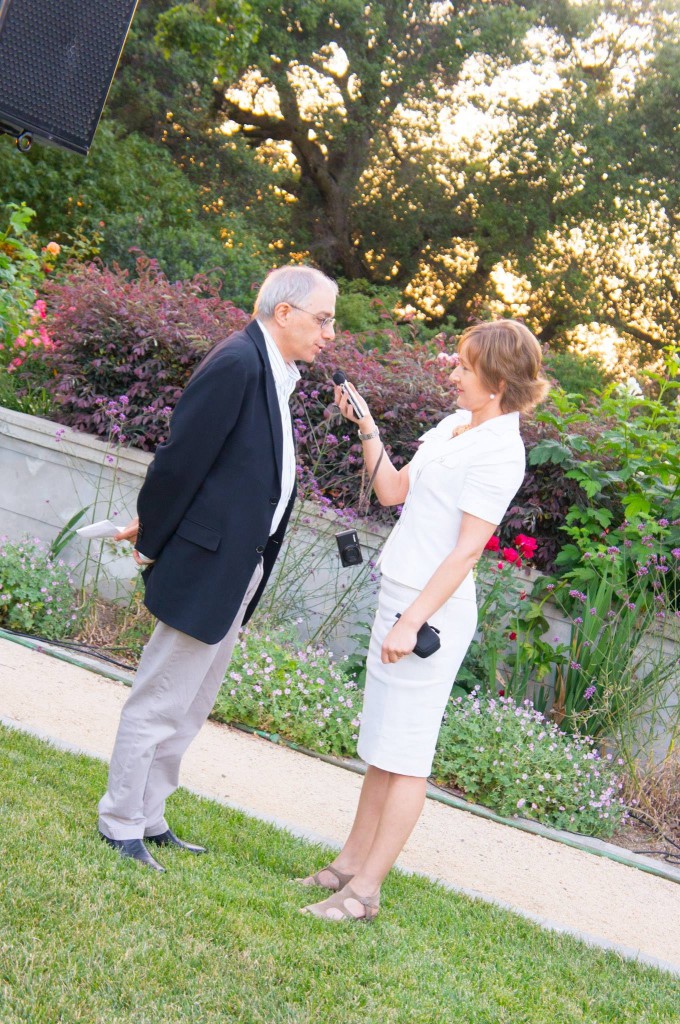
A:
(455, 491)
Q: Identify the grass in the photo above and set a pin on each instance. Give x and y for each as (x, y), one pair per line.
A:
(86, 936)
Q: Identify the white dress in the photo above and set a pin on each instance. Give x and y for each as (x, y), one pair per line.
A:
(477, 472)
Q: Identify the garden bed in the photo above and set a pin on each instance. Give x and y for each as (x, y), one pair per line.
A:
(118, 634)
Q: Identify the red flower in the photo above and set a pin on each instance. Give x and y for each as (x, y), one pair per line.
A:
(510, 555)
(527, 545)
(492, 544)
(513, 635)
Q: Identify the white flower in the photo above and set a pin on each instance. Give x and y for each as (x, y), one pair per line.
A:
(631, 387)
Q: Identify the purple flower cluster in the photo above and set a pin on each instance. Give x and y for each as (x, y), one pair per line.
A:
(302, 692)
(37, 591)
(509, 756)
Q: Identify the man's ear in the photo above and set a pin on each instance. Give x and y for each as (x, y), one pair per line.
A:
(282, 312)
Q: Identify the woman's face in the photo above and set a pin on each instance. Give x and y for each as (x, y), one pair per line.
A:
(473, 394)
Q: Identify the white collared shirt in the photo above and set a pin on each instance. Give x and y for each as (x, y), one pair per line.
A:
(286, 375)
(478, 472)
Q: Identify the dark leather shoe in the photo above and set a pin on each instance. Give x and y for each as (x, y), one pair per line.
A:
(135, 849)
(170, 839)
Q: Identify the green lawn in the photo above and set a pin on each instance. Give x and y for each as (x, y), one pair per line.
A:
(86, 936)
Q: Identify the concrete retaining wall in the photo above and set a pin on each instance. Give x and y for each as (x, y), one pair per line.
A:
(49, 473)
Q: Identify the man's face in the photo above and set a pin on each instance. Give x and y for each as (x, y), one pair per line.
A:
(300, 333)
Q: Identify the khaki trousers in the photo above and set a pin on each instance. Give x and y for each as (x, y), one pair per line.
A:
(174, 690)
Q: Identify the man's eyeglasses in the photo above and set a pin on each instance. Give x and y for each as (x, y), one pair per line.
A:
(322, 321)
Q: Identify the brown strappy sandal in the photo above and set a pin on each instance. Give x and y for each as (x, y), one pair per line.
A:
(312, 880)
(335, 907)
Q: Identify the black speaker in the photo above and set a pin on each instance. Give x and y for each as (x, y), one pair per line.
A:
(57, 60)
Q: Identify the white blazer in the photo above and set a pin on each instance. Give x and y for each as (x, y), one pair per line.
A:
(479, 472)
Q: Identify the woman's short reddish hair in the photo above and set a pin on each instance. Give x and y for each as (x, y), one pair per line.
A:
(508, 358)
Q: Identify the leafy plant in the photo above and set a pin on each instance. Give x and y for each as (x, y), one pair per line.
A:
(23, 335)
(617, 669)
(576, 373)
(509, 656)
(627, 467)
(20, 270)
(36, 591)
(136, 337)
(510, 758)
(274, 683)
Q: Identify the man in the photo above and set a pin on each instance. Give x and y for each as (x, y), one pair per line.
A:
(212, 513)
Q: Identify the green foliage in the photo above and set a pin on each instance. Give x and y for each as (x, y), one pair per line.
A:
(616, 668)
(627, 469)
(510, 758)
(23, 337)
(509, 655)
(554, 189)
(577, 374)
(36, 591)
(21, 270)
(274, 683)
(362, 307)
(15, 394)
(130, 197)
(218, 37)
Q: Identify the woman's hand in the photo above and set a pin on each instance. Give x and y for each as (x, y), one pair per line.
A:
(343, 403)
(399, 642)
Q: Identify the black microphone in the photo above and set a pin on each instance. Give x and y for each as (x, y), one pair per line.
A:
(340, 379)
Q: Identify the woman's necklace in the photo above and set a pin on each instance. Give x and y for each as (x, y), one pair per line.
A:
(461, 430)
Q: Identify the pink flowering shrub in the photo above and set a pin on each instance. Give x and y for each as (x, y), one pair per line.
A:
(299, 691)
(504, 754)
(24, 265)
(33, 340)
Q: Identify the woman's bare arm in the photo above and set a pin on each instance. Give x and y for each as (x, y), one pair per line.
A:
(401, 639)
(390, 484)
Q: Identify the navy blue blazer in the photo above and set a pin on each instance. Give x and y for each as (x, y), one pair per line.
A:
(207, 503)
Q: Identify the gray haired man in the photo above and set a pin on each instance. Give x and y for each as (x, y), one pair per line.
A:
(212, 513)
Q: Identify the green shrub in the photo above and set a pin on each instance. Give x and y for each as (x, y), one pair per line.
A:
(622, 454)
(24, 265)
(276, 684)
(576, 373)
(36, 591)
(508, 757)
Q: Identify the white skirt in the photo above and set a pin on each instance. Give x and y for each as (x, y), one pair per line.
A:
(404, 702)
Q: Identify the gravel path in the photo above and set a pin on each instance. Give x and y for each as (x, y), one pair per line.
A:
(604, 903)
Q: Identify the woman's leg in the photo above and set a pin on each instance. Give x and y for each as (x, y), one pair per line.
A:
(360, 839)
(401, 808)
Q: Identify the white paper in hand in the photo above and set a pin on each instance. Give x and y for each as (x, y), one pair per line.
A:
(104, 528)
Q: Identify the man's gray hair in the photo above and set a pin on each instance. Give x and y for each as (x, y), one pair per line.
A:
(289, 284)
